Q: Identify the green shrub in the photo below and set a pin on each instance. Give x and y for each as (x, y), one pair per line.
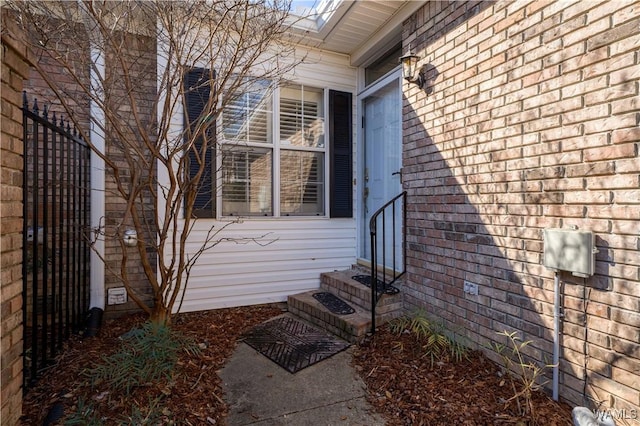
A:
(85, 415)
(432, 337)
(147, 355)
(151, 414)
(524, 376)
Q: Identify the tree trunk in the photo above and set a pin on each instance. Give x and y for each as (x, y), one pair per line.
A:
(160, 315)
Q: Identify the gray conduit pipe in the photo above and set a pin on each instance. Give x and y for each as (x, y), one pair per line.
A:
(556, 333)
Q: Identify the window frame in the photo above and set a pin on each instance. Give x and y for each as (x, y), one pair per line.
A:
(337, 155)
(276, 148)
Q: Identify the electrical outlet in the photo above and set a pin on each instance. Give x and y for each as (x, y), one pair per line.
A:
(470, 288)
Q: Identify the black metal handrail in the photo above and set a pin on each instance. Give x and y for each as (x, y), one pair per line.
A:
(394, 274)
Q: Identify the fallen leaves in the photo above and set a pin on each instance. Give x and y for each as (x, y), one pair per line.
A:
(193, 394)
(401, 383)
(408, 390)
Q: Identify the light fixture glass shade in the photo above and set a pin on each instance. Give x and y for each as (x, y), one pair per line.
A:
(409, 66)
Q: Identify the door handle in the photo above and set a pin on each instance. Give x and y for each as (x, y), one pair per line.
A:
(399, 172)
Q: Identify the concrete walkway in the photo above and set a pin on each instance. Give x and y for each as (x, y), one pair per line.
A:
(259, 392)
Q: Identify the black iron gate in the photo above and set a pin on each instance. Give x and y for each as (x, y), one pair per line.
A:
(56, 228)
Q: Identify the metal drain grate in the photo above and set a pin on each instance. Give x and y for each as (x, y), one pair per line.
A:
(333, 303)
(382, 286)
(292, 344)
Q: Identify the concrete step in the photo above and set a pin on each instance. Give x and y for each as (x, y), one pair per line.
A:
(342, 285)
(351, 327)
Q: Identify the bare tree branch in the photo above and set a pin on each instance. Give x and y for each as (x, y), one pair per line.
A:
(147, 47)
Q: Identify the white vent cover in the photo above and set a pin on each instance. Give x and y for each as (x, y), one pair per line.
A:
(570, 250)
(116, 296)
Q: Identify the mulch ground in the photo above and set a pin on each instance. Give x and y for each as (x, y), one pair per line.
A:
(409, 389)
(193, 397)
(403, 386)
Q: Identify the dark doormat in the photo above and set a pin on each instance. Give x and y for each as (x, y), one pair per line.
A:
(333, 303)
(292, 344)
(382, 286)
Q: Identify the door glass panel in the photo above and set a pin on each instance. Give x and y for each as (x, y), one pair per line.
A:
(382, 152)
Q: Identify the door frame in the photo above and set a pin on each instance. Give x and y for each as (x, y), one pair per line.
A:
(395, 74)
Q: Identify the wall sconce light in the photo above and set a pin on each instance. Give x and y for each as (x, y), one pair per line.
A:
(410, 70)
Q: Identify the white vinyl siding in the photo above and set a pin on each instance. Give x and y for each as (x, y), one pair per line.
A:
(265, 259)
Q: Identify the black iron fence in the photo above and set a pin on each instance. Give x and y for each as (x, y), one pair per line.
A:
(56, 227)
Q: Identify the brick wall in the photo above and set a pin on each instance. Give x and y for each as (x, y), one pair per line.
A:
(69, 40)
(15, 68)
(70, 46)
(529, 120)
(140, 60)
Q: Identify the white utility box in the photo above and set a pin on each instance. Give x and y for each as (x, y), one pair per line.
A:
(570, 250)
(116, 296)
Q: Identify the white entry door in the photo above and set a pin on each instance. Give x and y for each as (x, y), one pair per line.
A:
(382, 109)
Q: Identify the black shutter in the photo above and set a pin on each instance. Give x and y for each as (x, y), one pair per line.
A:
(197, 92)
(341, 154)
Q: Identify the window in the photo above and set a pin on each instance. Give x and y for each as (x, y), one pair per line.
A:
(302, 151)
(383, 65)
(246, 182)
(301, 183)
(247, 118)
(273, 152)
(302, 117)
(247, 152)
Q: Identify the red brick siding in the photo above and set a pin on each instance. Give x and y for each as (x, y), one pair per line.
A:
(141, 64)
(531, 121)
(15, 68)
(143, 73)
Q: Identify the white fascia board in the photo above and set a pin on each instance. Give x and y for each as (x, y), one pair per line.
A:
(386, 34)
